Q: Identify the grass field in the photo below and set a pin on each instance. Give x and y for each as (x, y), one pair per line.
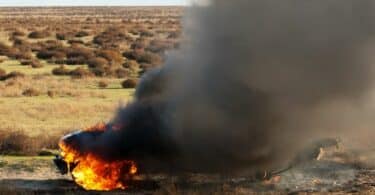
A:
(61, 105)
(98, 48)
(79, 102)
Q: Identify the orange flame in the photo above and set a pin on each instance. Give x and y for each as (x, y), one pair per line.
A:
(94, 173)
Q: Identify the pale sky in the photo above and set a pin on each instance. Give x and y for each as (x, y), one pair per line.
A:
(90, 2)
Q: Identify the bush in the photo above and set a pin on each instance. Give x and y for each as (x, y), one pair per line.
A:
(51, 94)
(18, 33)
(60, 36)
(131, 64)
(121, 73)
(112, 56)
(146, 67)
(61, 71)
(64, 36)
(76, 42)
(97, 62)
(103, 84)
(46, 54)
(129, 83)
(146, 33)
(80, 73)
(150, 58)
(139, 45)
(31, 92)
(75, 61)
(2, 73)
(79, 52)
(131, 55)
(18, 42)
(36, 64)
(25, 62)
(19, 143)
(13, 142)
(19, 55)
(12, 75)
(111, 37)
(82, 34)
(160, 46)
(39, 34)
(174, 35)
(4, 49)
(100, 71)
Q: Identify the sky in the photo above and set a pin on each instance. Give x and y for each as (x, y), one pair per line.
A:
(90, 2)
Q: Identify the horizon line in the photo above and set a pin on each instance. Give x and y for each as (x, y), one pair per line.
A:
(171, 5)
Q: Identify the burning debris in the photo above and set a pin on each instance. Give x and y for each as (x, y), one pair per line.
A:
(89, 170)
(240, 99)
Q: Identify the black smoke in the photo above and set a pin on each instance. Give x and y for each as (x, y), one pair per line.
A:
(254, 82)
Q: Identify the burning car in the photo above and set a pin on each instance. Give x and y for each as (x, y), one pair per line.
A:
(89, 170)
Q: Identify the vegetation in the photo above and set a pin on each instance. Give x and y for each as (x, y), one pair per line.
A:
(129, 83)
(63, 73)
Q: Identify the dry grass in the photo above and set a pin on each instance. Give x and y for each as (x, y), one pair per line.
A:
(42, 105)
(70, 108)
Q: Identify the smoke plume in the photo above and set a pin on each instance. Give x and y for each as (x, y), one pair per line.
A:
(254, 82)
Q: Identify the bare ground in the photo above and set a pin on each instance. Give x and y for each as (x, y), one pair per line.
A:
(335, 174)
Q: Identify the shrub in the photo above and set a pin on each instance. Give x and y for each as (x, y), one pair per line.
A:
(46, 54)
(2, 73)
(13, 143)
(146, 33)
(150, 58)
(31, 92)
(19, 55)
(4, 49)
(112, 36)
(80, 73)
(18, 33)
(121, 73)
(160, 46)
(79, 52)
(51, 94)
(76, 42)
(100, 71)
(146, 67)
(61, 71)
(25, 62)
(75, 61)
(36, 64)
(12, 75)
(97, 62)
(139, 45)
(112, 56)
(64, 36)
(82, 34)
(131, 55)
(60, 36)
(103, 84)
(39, 34)
(19, 143)
(131, 64)
(174, 35)
(129, 83)
(22, 45)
